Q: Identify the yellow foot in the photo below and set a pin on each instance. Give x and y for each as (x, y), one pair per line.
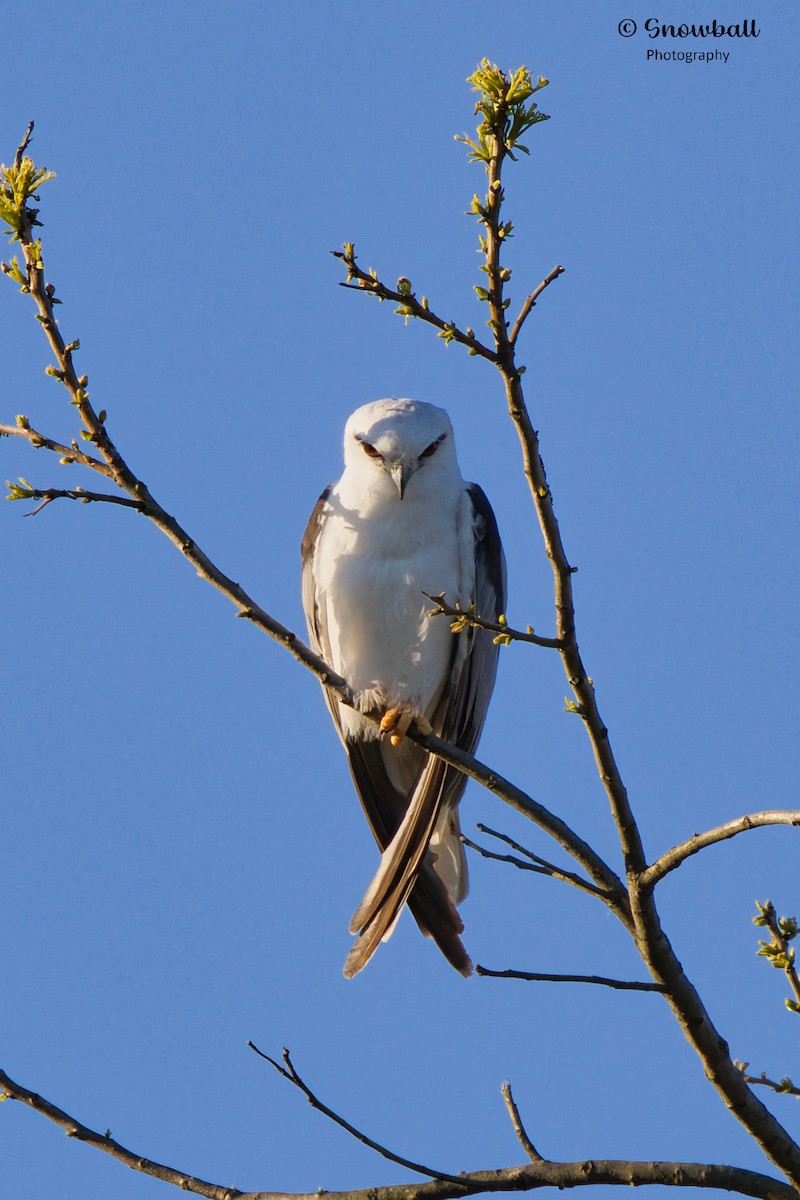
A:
(396, 722)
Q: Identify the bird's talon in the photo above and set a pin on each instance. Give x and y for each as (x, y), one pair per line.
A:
(396, 722)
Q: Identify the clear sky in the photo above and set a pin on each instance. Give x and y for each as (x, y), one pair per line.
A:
(182, 847)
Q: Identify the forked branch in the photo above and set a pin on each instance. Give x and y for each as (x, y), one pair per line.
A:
(584, 1173)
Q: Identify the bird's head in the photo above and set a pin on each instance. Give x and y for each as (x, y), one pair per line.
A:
(395, 439)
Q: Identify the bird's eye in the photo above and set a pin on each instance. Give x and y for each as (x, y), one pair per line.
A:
(370, 450)
(434, 446)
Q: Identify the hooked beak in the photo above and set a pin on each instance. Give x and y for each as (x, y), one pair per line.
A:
(400, 474)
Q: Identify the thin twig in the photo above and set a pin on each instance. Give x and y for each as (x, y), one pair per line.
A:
(678, 854)
(470, 619)
(47, 495)
(289, 1072)
(371, 285)
(544, 864)
(519, 1129)
(519, 863)
(542, 868)
(783, 1087)
(778, 952)
(23, 146)
(42, 441)
(529, 303)
(620, 985)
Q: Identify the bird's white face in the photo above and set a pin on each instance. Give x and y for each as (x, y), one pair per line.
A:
(395, 440)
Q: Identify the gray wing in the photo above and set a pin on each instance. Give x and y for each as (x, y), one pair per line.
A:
(315, 619)
(404, 824)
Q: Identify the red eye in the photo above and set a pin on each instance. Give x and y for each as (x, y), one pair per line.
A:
(434, 446)
(370, 450)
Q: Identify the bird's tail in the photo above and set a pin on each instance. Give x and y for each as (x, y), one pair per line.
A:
(406, 873)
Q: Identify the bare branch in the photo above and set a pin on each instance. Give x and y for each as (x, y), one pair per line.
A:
(610, 888)
(620, 985)
(23, 146)
(288, 1072)
(105, 1142)
(519, 1129)
(529, 303)
(540, 866)
(583, 1173)
(678, 854)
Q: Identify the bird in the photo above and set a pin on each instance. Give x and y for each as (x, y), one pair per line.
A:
(402, 527)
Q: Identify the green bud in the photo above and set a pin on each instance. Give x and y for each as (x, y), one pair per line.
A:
(23, 421)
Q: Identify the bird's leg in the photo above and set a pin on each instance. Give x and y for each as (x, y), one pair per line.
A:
(396, 721)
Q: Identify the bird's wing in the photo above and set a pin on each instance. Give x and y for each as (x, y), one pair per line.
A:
(315, 616)
(407, 872)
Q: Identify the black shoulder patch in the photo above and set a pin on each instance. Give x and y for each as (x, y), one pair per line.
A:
(491, 548)
(312, 528)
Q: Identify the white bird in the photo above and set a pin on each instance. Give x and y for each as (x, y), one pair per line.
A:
(401, 525)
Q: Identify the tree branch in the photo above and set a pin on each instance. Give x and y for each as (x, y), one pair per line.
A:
(678, 854)
(620, 985)
(585, 1173)
(777, 952)
(23, 146)
(783, 1087)
(144, 501)
(47, 495)
(539, 866)
(501, 628)
(100, 1141)
(39, 440)
(497, 107)
(409, 306)
(529, 303)
(519, 1129)
(288, 1072)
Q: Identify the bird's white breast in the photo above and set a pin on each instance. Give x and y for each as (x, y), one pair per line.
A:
(374, 561)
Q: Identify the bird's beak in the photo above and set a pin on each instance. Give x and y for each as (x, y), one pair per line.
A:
(400, 473)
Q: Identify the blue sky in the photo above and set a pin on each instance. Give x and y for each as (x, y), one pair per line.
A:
(183, 848)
